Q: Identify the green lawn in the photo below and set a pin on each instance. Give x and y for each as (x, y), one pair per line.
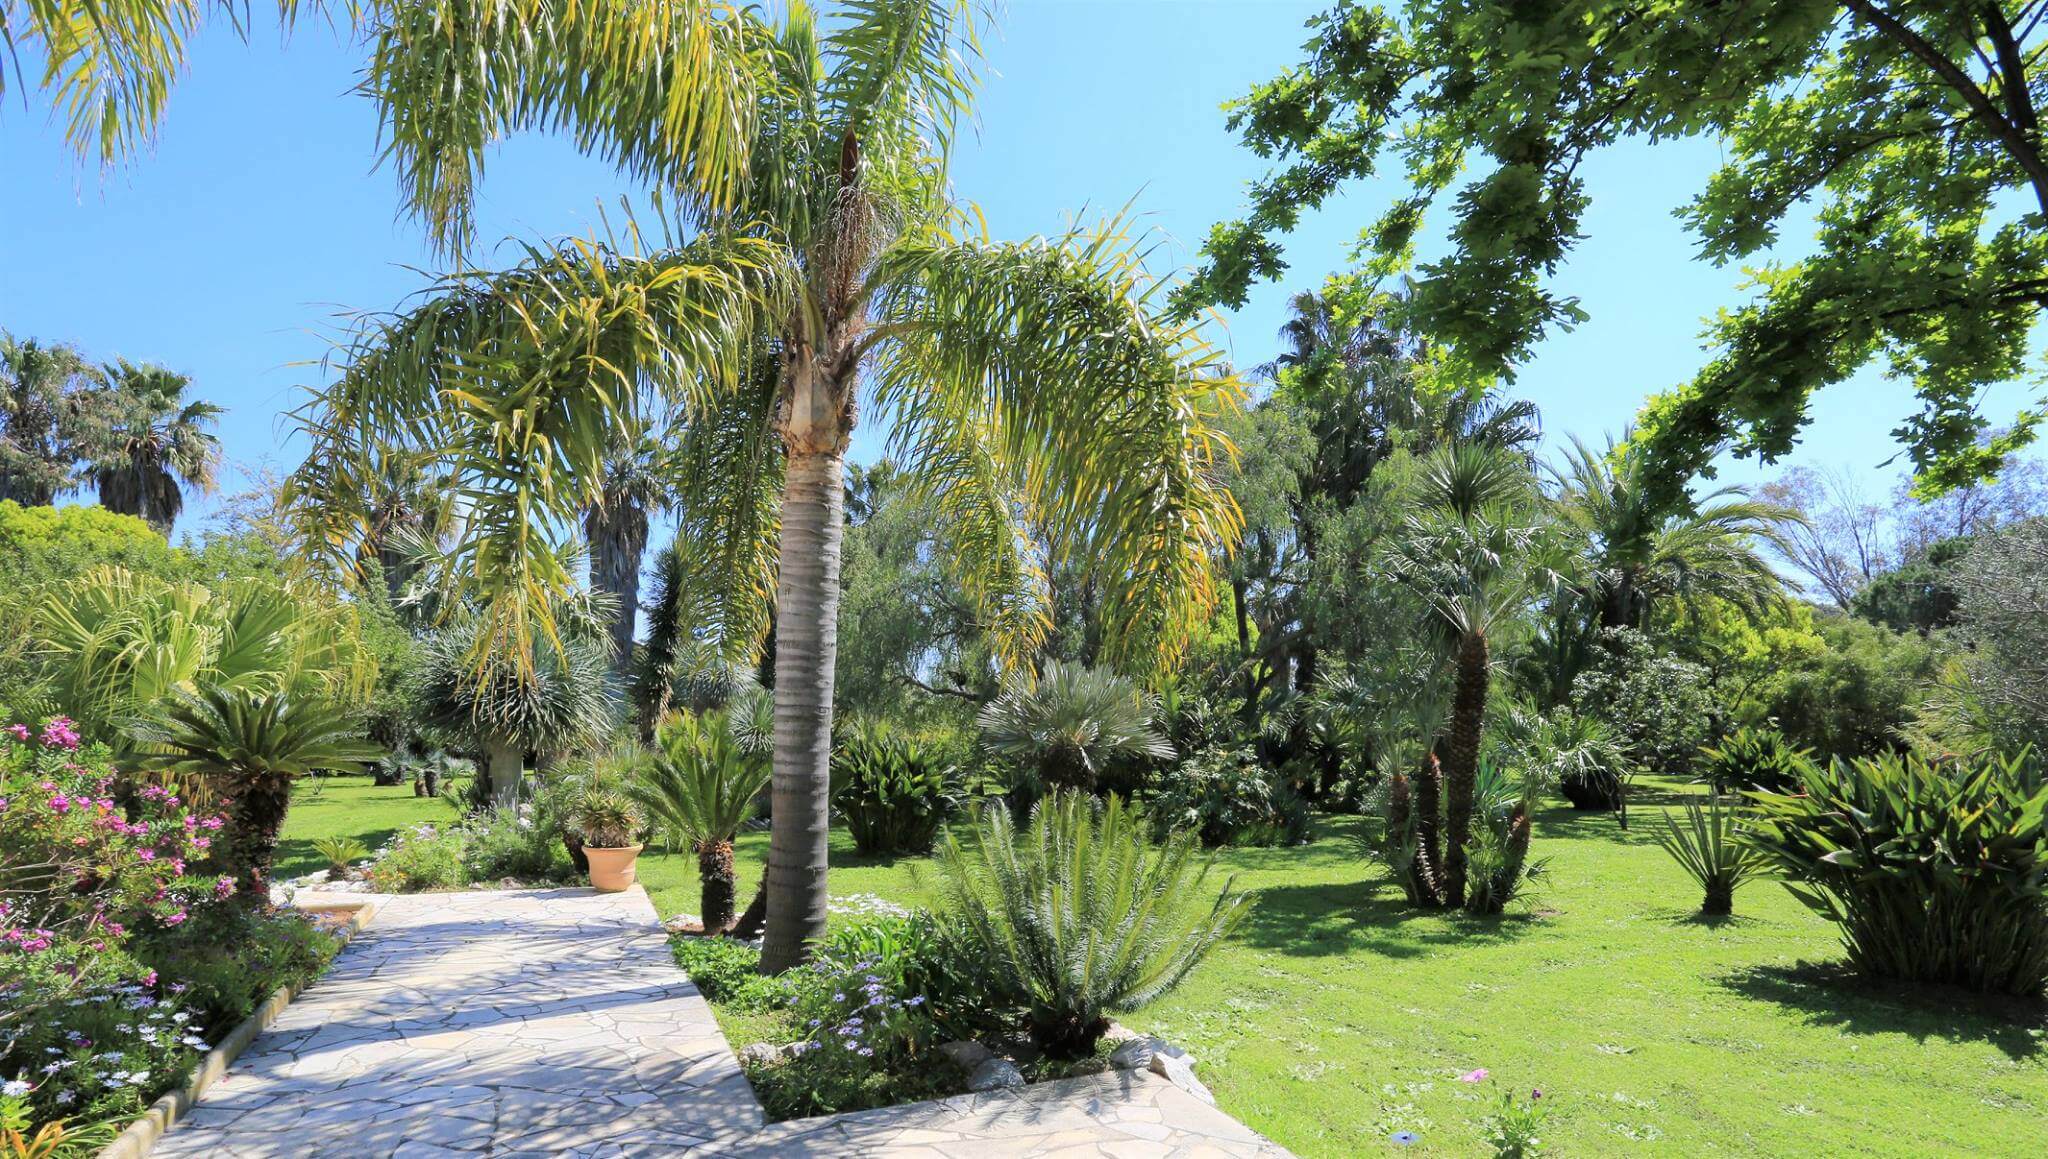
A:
(348, 807)
(1335, 1017)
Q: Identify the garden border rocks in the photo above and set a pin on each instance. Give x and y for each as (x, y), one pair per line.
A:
(141, 1136)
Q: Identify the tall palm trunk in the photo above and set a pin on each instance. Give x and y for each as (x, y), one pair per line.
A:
(504, 766)
(806, 652)
(617, 536)
(1461, 772)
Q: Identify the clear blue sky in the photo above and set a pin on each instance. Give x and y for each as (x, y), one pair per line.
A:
(227, 251)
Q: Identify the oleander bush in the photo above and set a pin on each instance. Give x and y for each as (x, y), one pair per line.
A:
(1936, 871)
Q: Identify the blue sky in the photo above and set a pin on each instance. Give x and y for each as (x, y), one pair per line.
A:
(229, 249)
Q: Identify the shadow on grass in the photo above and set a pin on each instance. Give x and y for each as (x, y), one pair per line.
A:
(1366, 916)
(1830, 994)
(296, 856)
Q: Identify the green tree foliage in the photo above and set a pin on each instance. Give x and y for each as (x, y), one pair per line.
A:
(156, 445)
(50, 403)
(1078, 915)
(1917, 596)
(1855, 698)
(1910, 129)
(1658, 706)
(2004, 611)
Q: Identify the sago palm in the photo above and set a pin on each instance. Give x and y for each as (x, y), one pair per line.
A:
(251, 748)
(1078, 915)
(698, 789)
(156, 445)
(1026, 385)
(1639, 553)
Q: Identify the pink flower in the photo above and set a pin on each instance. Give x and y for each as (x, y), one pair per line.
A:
(18, 732)
(224, 887)
(146, 854)
(60, 804)
(1473, 1076)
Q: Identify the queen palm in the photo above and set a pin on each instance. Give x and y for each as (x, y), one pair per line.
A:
(156, 445)
(1025, 384)
(1639, 553)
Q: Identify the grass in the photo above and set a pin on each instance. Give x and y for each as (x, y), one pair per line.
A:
(348, 807)
(1336, 1017)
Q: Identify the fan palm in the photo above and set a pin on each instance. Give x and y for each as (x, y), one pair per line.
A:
(699, 789)
(615, 527)
(252, 746)
(1639, 553)
(1475, 555)
(49, 399)
(1029, 385)
(1064, 728)
(156, 445)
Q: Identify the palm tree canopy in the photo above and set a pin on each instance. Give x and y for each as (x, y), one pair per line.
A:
(237, 734)
(838, 238)
(700, 786)
(1639, 552)
(156, 444)
(1073, 717)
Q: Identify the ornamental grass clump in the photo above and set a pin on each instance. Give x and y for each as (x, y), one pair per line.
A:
(1935, 871)
(1711, 846)
(1079, 915)
(892, 792)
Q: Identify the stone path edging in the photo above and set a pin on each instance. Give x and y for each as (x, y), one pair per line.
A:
(141, 1136)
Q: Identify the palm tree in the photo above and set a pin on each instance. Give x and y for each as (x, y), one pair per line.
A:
(1029, 379)
(615, 527)
(1068, 725)
(1475, 555)
(48, 402)
(253, 746)
(156, 445)
(1639, 553)
(699, 789)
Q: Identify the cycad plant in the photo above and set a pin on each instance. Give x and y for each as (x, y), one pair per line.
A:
(1079, 915)
(1710, 846)
(890, 791)
(697, 790)
(1754, 758)
(341, 855)
(1064, 728)
(251, 747)
(1935, 871)
(817, 270)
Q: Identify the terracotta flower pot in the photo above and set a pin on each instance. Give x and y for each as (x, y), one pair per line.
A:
(612, 870)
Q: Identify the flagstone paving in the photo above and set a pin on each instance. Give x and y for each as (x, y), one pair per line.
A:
(554, 1022)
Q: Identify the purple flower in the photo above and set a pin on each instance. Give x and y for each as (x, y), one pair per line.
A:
(1473, 1076)
(1406, 1138)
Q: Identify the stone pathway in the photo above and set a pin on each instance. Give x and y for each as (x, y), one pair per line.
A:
(555, 1022)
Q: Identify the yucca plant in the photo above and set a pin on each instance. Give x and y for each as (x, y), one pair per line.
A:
(1935, 871)
(1754, 758)
(251, 748)
(1064, 728)
(1710, 846)
(698, 789)
(341, 855)
(892, 793)
(1079, 915)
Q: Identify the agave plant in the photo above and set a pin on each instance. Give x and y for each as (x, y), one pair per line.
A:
(252, 747)
(892, 793)
(1079, 915)
(1711, 846)
(698, 789)
(1063, 729)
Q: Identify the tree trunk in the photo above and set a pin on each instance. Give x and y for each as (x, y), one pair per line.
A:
(258, 818)
(806, 651)
(1461, 769)
(618, 540)
(1720, 900)
(715, 871)
(755, 919)
(504, 766)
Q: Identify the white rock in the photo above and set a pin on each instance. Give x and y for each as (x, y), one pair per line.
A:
(1181, 1073)
(763, 1053)
(1137, 1053)
(995, 1074)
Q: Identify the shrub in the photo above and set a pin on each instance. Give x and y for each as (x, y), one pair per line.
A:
(1498, 866)
(1227, 797)
(699, 788)
(501, 843)
(892, 793)
(729, 973)
(1657, 706)
(1711, 847)
(341, 855)
(1079, 915)
(1578, 753)
(1754, 758)
(419, 858)
(1934, 871)
(606, 817)
(1855, 698)
(1063, 730)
